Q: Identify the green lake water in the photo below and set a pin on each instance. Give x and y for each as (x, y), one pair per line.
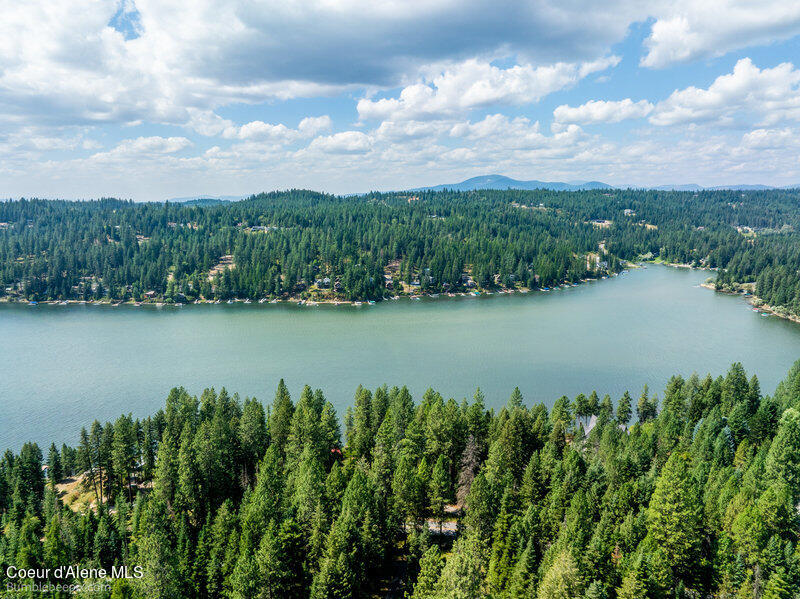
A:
(63, 366)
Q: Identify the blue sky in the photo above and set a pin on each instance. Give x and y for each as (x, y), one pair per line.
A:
(152, 99)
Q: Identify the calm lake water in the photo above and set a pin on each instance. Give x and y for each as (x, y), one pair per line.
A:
(63, 366)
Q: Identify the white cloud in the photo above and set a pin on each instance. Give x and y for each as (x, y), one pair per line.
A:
(602, 111)
(206, 122)
(771, 95)
(259, 130)
(346, 142)
(687, 29)
(81, 72)
(410, 130)
(474, 84)
(143, 147)
(66, 62)
(279, 133)
(311, 125)
(770, 139)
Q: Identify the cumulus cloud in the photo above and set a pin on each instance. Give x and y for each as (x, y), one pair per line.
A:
(474, 84)
(143, 147)
(98, 61)
(602, 111)
(206, 122)
(771, 94)
(687, 29)
(346, 142)
(770, 139)
(277, 133)
(432, 77)
(311, 125)
(93, 61)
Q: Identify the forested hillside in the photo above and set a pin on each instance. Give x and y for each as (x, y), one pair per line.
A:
(301, 244)
(692, 496)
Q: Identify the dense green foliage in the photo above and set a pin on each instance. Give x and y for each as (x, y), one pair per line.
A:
(301, 243)
(215, 497)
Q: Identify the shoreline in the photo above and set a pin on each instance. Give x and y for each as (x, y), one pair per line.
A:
(311, 302)
(757, 303)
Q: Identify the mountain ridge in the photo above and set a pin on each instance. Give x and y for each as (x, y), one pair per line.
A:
(495, 181)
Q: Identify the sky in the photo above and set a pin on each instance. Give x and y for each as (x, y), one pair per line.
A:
(155, 99)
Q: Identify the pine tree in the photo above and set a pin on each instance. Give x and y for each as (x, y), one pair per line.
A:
(783, 459)
(634, 583)
(462, 576)
(673, 517)
(253, 437)
(439, 489)
(624, 411)
(430, 568)
(561, 580)
(54, 470)
(280, 417)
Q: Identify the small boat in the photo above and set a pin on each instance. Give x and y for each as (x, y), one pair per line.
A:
(230, 301)
(247, 301)
(415, 297)
(371, 302)
(356, 303)
(475, 293)
(33, 303)
(62, 303)
(765, 314)
(263, 300)
(275, 301)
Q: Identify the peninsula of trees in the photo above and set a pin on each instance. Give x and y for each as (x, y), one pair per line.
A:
(306, 245)
(694, 496)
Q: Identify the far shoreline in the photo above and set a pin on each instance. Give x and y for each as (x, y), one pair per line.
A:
(756, 302)
(297, 301)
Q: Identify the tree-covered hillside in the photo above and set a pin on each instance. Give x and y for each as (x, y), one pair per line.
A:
(301, 244)
(695, 495)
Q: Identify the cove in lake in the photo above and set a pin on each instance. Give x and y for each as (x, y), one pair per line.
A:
(63, 366)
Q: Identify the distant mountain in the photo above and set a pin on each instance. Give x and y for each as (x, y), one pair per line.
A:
(502, 182)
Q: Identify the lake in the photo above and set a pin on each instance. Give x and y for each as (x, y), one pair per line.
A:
(63, 366)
